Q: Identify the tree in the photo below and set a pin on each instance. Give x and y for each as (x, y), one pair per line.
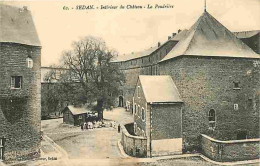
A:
(89, 60)
(59, 89)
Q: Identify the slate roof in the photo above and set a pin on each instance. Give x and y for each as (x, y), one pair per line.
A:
(147, 52)
(246, 34)
(17, 26)
(159, 89)
(208, 37)
(78, 110)
(180, 35)
(134, 55)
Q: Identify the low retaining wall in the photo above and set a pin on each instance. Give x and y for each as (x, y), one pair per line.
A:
(234, 150)
(133, 145)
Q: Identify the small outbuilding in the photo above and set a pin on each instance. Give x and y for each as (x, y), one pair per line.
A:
(75, 115)
(158, 114)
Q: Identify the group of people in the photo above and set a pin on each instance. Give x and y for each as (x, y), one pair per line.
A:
(97, 124)
(91, 125)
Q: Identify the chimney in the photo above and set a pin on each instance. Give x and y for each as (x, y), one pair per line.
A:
(169, 37)
(179, 31)
(159, 44)
(173, 34)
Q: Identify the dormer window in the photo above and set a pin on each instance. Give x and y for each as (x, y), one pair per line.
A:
(29, 62)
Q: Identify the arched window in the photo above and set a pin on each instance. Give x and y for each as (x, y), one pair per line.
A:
(29, 62)
(212, 119)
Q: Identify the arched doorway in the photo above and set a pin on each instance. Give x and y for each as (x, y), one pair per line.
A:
(121, 101)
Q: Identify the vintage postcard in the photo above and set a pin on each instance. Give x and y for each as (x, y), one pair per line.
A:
(129, 82)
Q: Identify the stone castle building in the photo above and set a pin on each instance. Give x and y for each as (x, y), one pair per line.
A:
(20, 86)
(217, 75)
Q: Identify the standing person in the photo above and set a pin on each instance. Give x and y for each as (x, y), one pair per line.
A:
(81, 126)
(85, 125)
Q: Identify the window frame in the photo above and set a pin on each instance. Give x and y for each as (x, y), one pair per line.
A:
(135, 127)
(13, 82)
(138, 91)
(2, 140)
(29, 63)
(138, 112)
(236, 107)
(212, 123)
(143, 114)
(236, 85)
(143, 133)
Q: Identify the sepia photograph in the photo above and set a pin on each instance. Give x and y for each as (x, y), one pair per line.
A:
(129, 82)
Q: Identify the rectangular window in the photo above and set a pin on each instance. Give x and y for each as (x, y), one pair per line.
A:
(235, 107)
(135, 127)
(212, 119)
(250, 103)
(1, 149)
(138, 91)
(138, 112)
(143, 134)
(30, 64)
(135, 109)
(143, 114)
(16, 82)
(236, 85)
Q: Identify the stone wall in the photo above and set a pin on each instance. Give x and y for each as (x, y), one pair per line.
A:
(20, 109)
(166, 121)
(206, 83)
(146, 65)
(233, 150)
(139, 103)
(133, 145)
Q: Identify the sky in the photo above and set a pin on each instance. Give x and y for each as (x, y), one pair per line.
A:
(129, 30)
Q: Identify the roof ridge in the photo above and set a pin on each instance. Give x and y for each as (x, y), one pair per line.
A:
(195, 29)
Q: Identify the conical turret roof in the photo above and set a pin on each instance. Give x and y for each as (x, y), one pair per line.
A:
(208, 37)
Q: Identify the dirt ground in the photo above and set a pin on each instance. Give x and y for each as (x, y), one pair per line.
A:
(99, 146)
